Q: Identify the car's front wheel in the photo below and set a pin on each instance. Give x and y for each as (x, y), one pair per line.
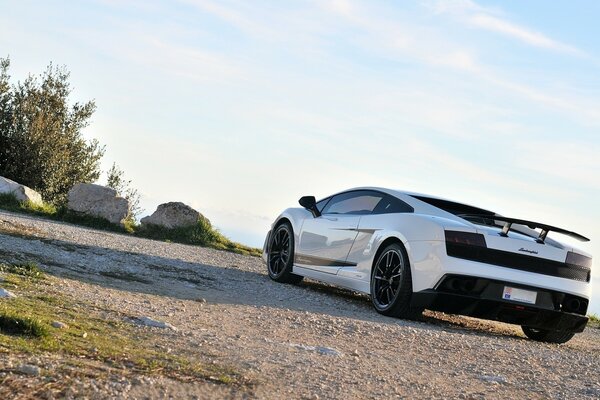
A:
(544, 335)
(280, 260)
(391, 284)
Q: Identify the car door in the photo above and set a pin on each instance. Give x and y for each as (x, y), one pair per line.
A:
(325, 241)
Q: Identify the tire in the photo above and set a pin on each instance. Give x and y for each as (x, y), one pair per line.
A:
(391, 284)
(280, 260)
(543, 335)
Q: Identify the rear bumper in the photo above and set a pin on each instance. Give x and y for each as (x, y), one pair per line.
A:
(430, 263)
(485, 301)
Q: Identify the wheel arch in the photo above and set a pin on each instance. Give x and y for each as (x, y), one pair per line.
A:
(282, 220)
(385, 243)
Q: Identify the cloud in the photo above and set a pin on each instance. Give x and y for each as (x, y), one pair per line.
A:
(572, 162)
(521, 33)
(494, 20)
(232, 16)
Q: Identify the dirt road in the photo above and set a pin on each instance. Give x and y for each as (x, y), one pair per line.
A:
(308, 341)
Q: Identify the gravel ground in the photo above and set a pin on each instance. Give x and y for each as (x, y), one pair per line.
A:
(310, 341)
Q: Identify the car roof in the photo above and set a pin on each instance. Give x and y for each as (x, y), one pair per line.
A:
(410, 197)
(394, 192)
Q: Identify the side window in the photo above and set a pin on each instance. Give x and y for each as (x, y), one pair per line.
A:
(321, 204)
(359, 202)
(390, 205)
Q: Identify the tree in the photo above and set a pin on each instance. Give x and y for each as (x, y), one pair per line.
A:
(41, 141)
(116, 180)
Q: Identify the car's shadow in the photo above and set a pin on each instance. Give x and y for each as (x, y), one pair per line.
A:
(218, 284)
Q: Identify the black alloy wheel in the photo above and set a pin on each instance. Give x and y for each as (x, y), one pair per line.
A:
(280, 259)
(387, 278)
(391, 284)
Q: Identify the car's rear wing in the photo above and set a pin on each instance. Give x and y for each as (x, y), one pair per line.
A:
(532, 225)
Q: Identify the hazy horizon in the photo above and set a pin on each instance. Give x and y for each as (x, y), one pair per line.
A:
(238, 108)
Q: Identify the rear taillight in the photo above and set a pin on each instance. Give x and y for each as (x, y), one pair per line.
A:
(579, 260)
(466, 238)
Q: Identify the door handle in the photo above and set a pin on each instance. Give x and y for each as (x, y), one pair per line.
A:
(330, 218)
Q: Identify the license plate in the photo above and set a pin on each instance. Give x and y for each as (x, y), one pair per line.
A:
(514, 294)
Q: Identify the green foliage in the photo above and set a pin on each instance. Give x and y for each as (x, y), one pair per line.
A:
(29, 269)
(9, 202)
(594, 321)
(41, 141)
(203, 233)
(116, 180)
(13, 324)
(94, 333)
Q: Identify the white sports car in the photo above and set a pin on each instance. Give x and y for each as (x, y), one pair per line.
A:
(411, 251)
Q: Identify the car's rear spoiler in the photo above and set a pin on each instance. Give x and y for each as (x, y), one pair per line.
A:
(532, 225)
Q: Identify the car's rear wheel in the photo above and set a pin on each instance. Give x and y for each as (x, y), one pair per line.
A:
(281, 255)
(391, 284)
(544, 335)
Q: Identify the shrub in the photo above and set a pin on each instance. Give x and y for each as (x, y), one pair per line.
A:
(41, 143)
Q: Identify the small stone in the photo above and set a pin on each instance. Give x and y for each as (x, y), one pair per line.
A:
(201, 300)
(59, 325)
(5, 294)
(30, 370)
(355, 353)
(493, 379)
(147, 321)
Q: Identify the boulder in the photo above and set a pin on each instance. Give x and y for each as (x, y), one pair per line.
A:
(21, 192)
(172, 215)
(98, 201)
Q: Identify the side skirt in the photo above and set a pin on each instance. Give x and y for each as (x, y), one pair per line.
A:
(337, 280)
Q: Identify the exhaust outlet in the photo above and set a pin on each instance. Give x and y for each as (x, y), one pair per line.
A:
(468, 285)
(453, 284)
(573, 305)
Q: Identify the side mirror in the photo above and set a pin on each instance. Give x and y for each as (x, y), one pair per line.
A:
(310, 203)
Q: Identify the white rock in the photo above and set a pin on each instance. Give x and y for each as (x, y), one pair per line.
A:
(21, 192)
(98, 201)
(59, 325)
(328, 351)
(5, 294)
(493, 378)
(147, 321)
(31, 370)
(172, 215)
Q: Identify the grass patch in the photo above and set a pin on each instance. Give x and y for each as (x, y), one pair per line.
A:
(202, 234)
(93, 334)
(9, 202)
(13, 324)
(594, 321)
(29, 269)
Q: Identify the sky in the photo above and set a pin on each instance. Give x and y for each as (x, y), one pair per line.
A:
(239, 108)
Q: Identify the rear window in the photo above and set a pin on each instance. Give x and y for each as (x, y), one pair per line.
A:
(452, 207)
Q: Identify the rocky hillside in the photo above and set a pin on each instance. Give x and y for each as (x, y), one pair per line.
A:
(133, 318)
